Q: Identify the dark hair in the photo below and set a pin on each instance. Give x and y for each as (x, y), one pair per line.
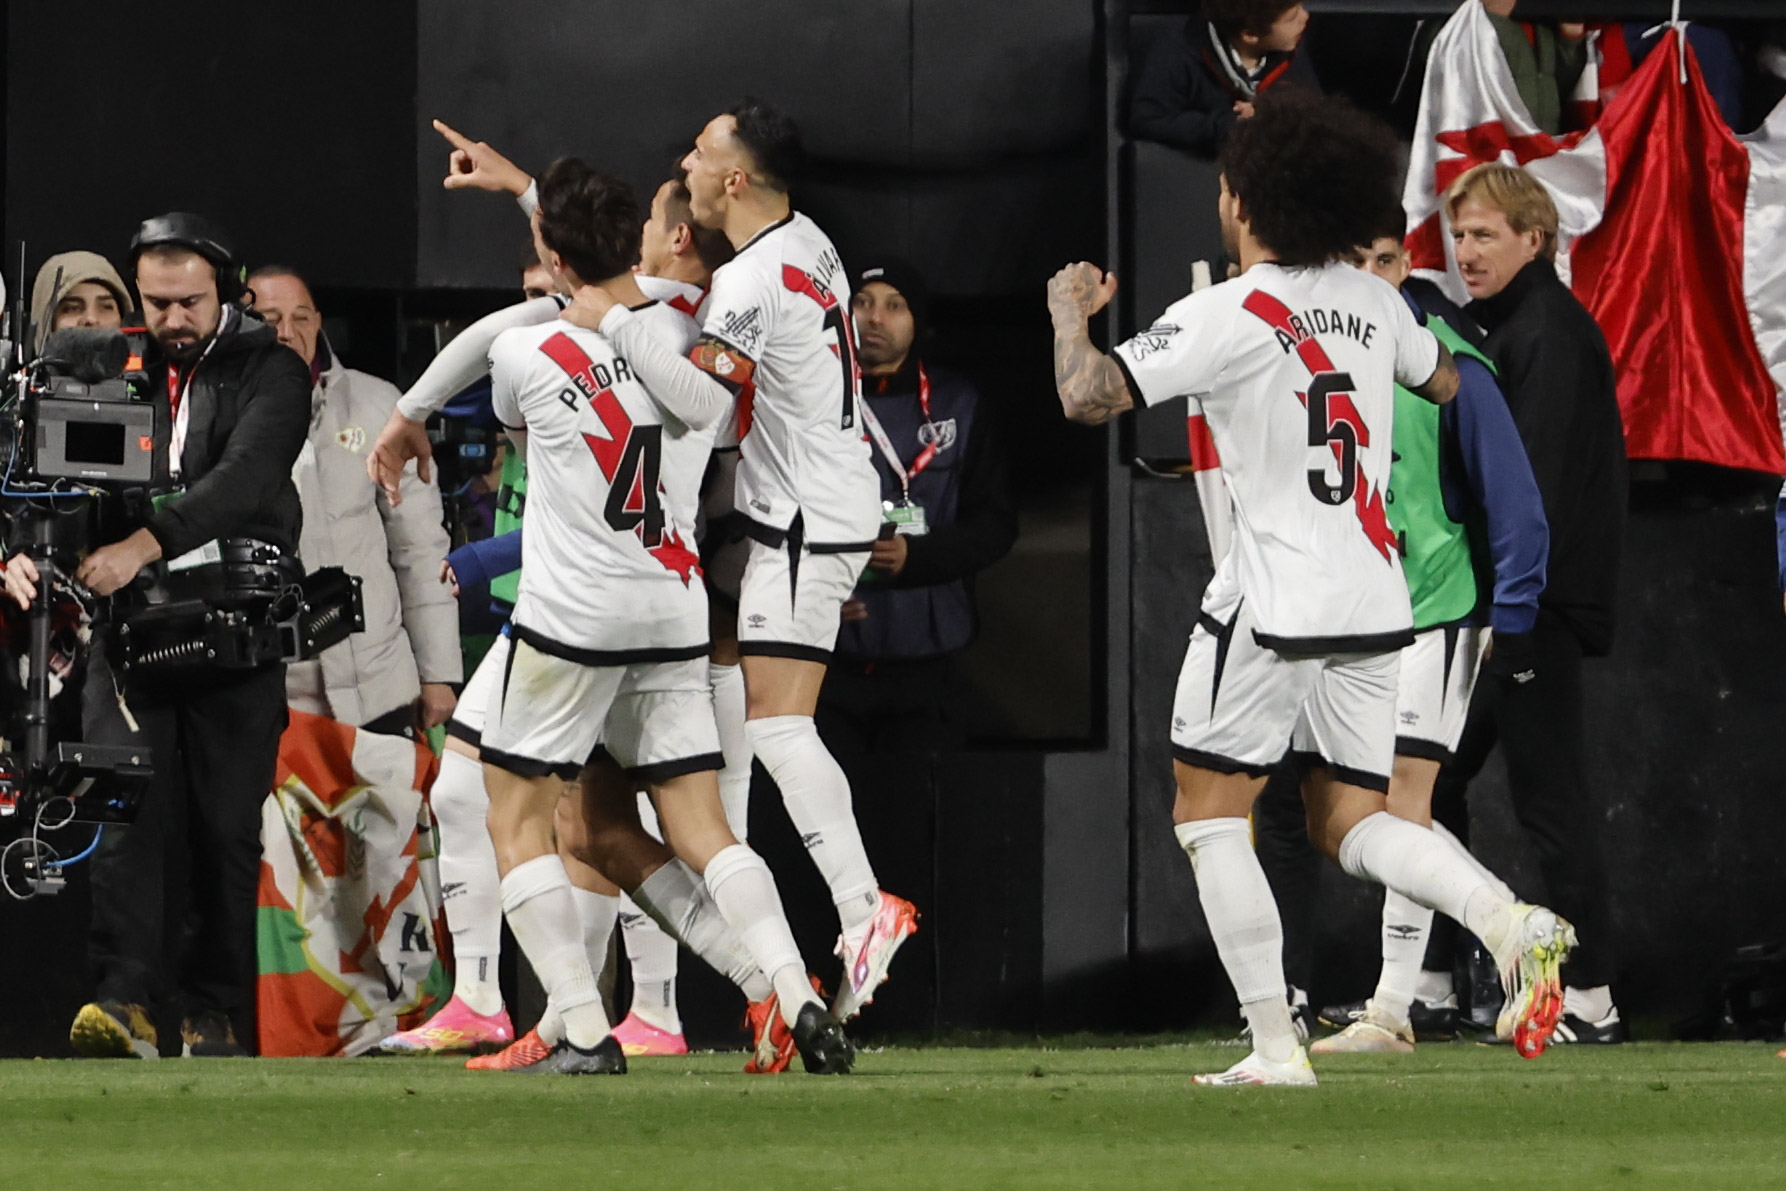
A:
(711, 245)
(1231, 18)
(280, 271)
(531, 260)
(591, 220)
(1314, 172)
(1391, 223)
(772, 139)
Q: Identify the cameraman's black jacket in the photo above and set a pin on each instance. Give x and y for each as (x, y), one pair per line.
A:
(250, 415)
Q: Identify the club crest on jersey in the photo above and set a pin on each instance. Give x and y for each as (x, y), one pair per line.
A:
(940, 435)
(744, 327)
(1156, 338)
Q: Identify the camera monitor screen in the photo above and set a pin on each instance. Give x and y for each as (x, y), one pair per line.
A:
(95, 442)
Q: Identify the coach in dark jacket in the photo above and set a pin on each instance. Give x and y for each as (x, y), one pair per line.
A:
(1557, 375)
(233, 409)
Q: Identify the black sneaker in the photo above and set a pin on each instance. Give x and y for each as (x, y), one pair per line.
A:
(208, 1035)
(1486, 994)
(824, 1048)
(1430, 1023)
(1608, 1030)
(114, 1030)
(604, 1058)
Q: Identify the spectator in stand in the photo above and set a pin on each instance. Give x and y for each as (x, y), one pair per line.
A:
(400, 675)
(1196, 85)
(1558, 379)
(949, 515)
(76, 289)
(1546, 62)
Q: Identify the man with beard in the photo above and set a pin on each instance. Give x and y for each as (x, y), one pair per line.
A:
(232, 411)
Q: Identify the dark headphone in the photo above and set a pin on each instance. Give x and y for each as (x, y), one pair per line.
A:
(194, 232)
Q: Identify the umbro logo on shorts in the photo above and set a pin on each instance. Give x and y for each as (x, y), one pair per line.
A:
(756, 620)
(1410, 717)
(811, 839)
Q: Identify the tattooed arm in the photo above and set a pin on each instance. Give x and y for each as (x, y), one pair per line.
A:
(1091, 384)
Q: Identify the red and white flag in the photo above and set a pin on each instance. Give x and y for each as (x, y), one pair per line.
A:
(1673, 231)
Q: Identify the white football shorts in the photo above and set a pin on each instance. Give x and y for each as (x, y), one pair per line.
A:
(473, 707)
(791, 600)
(1432, 699)
(548, 715)
(1240, 706)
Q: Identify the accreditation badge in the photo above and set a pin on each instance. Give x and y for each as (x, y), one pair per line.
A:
(906, 517)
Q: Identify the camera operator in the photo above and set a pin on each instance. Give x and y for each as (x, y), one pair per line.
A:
(232, 411)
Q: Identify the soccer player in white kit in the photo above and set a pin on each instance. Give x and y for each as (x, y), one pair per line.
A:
(609, 633)
(1296, 642)
(777, 334)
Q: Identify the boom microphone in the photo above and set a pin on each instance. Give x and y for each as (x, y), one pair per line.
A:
(88, 354)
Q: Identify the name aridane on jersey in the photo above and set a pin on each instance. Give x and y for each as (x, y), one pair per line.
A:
(1295, 371)
(777, 332)
(608, 562)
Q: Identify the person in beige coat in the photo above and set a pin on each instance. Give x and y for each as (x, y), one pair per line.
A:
(76, 289)
(400, 674)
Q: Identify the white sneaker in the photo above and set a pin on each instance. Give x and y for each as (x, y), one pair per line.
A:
(1368, 1036)
(1532, 976)
(1258, 1071)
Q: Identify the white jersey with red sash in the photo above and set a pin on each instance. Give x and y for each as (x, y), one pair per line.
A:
(777, 331)
(609, 567)
(1294, 370)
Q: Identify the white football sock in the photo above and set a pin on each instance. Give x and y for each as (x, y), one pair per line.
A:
(1406, 924)
(597, 912)
(470, 888)
(675, 898)
(744, 890)
(652, 955)
(817, 795)
(536, 898)
(1589, 1004)
(1444, 833)
(1243, 921)
(727, 685)
(1417, 863)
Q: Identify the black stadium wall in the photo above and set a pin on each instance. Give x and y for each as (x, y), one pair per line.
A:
(979, 140)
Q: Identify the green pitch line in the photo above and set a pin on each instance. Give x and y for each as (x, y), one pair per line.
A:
(1456, 1116)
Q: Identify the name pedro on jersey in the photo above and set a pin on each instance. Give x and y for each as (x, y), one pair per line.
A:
(604, 380)
(1309, 323)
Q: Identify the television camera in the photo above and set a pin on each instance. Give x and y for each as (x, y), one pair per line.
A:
(79, 433)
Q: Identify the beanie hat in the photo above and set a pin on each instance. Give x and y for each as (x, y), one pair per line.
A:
(898, 273)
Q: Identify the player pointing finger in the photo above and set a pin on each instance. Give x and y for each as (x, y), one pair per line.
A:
(475, 165)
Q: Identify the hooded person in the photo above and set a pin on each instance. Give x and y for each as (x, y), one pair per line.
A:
(76, 289)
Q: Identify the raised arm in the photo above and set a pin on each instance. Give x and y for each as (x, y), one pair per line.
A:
(1091, 385)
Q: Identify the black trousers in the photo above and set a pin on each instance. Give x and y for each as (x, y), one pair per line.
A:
(174, 892)
(1539, 728)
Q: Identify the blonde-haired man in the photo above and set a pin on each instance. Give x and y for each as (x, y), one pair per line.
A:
(1558, 379)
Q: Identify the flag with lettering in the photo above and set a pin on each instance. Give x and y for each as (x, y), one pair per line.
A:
(349, 918)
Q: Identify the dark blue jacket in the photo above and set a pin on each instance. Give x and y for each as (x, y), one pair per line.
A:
(928, 608)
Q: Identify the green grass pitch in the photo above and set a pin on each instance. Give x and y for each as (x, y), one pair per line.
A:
(1448, 1116)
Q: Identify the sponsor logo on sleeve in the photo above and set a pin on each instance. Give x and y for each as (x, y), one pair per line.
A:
(1156, 338)
(744, 328)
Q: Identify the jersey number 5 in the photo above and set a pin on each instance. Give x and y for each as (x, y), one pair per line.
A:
(1333, 422)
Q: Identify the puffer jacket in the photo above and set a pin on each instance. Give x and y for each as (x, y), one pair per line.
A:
(412, 620)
